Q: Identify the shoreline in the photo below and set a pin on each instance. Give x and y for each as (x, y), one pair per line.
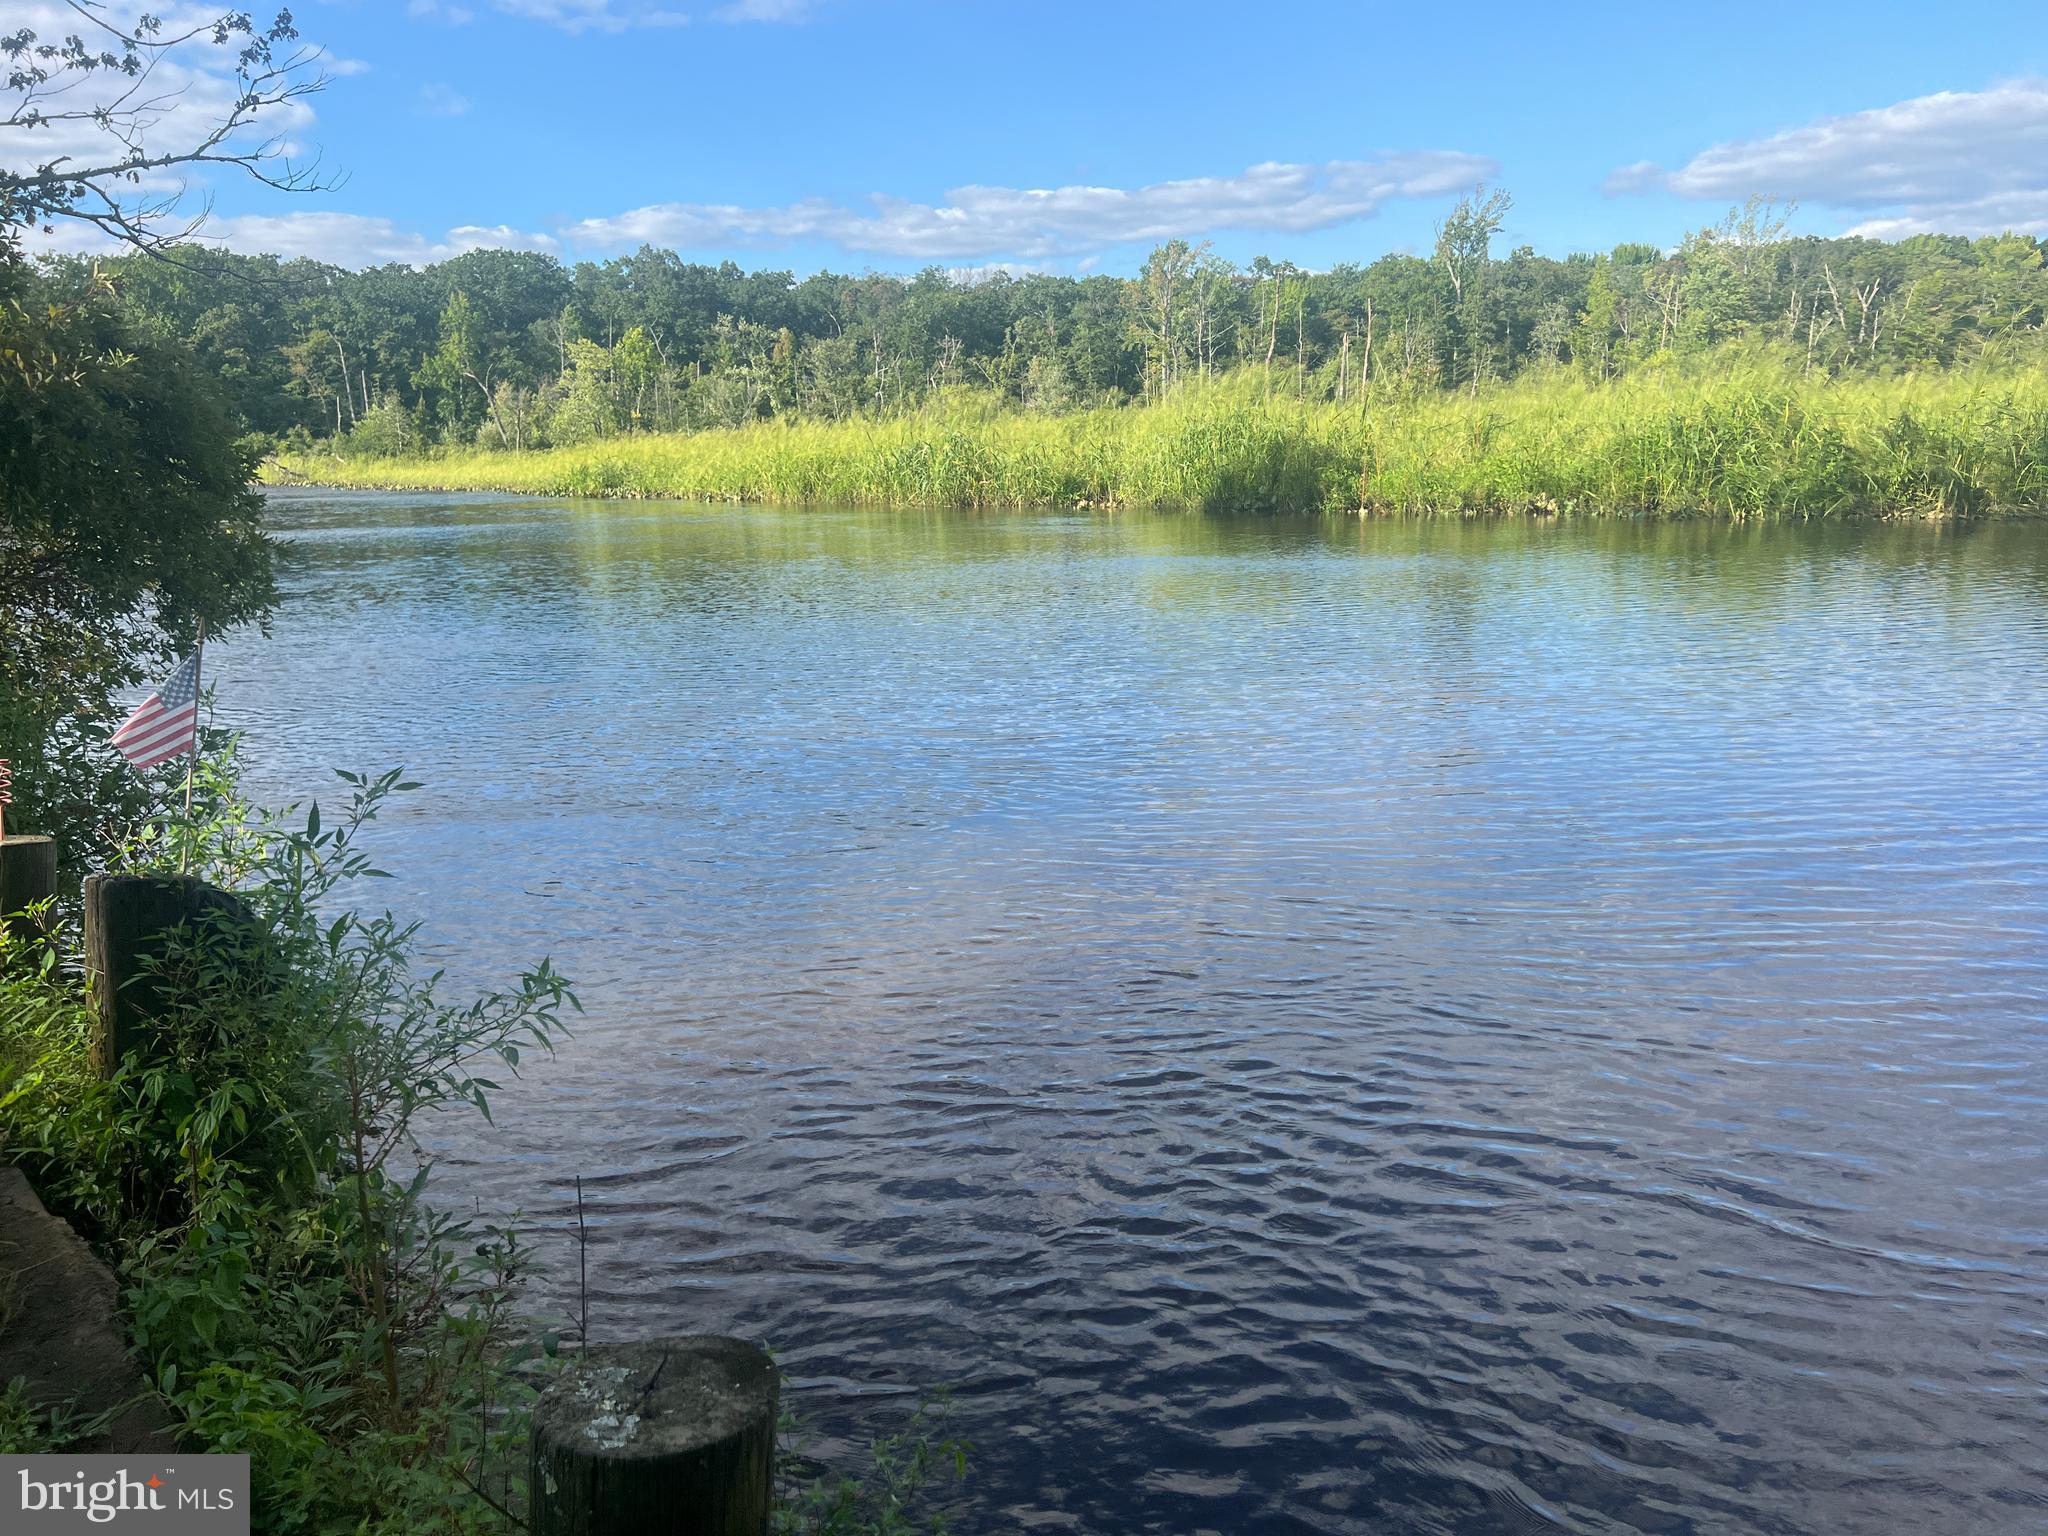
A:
(1535, 511)
(1736, 446)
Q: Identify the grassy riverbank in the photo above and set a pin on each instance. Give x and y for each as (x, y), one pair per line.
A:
(1744, 440)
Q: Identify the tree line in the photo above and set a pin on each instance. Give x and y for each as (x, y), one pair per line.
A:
(515, 350)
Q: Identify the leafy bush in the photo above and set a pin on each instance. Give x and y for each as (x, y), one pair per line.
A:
(288, 1286)
(889, 1498)
(386, 430)
(38, 1429)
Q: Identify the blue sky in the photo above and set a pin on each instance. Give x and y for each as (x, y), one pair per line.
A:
(767, 130)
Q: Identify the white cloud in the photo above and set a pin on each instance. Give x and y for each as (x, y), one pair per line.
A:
(771, 11)
(439, 100)
(976, 231)
(569, 15)
(1028, 224)
(592, 15)
(1960, 162)
(1642, 176)
(2020, 212)
(68, 237)
(360, 240)
(354, 240)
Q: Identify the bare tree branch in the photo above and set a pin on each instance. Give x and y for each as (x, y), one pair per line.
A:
(144, 130)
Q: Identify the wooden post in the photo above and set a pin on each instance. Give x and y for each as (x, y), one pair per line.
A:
(28, 874)
(675, 1437)
(127, 922)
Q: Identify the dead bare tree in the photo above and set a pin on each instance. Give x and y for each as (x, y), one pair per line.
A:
(1816, 327)
(1365, 362)
(1834, 294)
(1869, 317)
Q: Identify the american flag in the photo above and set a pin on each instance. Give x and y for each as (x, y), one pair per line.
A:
(164, 724)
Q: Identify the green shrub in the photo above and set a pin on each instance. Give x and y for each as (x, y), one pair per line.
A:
(889, 1497)
(287, 1284)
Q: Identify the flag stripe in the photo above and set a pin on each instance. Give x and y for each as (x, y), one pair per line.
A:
(148, 712)
(165, 724)
(162, 757)
(150, 719)
(156, 752)
(158, 732)
(148, 722)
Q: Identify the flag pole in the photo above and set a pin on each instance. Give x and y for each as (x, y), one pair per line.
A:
(192, 762)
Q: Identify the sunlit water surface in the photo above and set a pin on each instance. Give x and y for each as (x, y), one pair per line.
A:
(1306, 1026)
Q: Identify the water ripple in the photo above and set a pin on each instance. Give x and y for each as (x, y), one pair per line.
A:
(1318, 1027)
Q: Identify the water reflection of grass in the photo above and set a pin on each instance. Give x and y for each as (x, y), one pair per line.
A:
(1743, 441)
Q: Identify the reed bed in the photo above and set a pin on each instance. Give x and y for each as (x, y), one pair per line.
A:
(1737, 441)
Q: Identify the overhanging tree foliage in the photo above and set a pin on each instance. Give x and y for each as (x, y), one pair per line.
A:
(125, 518)
(126, 515)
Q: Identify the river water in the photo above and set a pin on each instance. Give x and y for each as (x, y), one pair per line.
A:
(1304, 1025)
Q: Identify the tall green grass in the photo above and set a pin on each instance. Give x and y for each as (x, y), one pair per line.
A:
(1747, 438)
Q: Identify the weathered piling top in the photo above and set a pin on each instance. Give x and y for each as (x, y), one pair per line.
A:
(657, 1398)
(673, 1436)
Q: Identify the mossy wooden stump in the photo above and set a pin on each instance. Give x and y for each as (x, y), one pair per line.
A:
(28, 874)
(674, 1437)
(131, 924)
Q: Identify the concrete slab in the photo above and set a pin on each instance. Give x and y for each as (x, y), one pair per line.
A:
(59, 1328)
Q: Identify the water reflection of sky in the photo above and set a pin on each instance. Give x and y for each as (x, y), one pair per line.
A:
(1314, 1025)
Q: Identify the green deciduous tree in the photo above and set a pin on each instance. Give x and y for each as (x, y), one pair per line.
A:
(125, 518)
(1463, 245)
